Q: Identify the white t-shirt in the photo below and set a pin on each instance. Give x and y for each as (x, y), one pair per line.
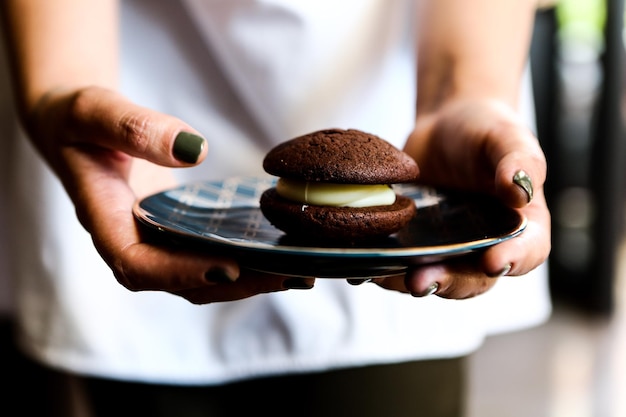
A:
(248, 75)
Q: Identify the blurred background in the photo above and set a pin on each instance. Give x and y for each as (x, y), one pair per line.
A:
(577, 59)
(575, 364)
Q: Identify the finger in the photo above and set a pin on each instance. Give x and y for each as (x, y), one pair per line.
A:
(477, 146)
(249, 284)
(108, 120)
(526, 251)
(454, 281)
(142, 265)
(520, 165)
(104, 207)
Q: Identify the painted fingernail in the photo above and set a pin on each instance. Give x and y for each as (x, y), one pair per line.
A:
(296, 284)
(502, 272)
(188, 147)
(432, 289)
(358, 281)
(219, 275)
(522, 179)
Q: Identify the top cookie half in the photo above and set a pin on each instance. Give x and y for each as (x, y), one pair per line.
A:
(342, 157)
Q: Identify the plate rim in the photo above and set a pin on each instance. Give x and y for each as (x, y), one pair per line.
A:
(145, 217)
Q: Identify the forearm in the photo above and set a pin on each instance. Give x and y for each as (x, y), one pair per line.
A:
(472, 48)
(60, 45)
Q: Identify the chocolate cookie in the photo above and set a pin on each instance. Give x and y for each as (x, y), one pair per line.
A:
(336, 185)
(342, 157)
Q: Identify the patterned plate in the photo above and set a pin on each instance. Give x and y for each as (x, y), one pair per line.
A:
(224, 217)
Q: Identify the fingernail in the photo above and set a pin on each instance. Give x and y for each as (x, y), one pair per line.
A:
(429, 291)
(502, 272)
(219, 275)
(522, 179)
(358, 281)
(296, 284)
(188, 147)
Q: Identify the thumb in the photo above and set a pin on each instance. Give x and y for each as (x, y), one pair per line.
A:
(521, 169)
(106, 119)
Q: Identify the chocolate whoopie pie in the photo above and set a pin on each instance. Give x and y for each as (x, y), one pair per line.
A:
(336, 185)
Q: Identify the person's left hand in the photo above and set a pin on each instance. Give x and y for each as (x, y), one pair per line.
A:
(482, 146)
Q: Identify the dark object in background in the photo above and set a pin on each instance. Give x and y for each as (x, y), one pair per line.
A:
(583, 137)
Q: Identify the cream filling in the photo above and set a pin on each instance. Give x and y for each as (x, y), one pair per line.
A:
(336, 195)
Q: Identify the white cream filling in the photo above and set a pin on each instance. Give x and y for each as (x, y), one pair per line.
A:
(336, 195)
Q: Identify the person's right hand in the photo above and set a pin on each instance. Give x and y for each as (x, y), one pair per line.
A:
(480, 145)
(108, 152)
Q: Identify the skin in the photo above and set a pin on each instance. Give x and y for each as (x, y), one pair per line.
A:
(468, 135)
(108, 151)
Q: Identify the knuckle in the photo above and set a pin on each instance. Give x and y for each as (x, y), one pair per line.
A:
(469, 289)
(80, 103)
(134, 130)
(126, 280)
(481, 286)
(126, 277)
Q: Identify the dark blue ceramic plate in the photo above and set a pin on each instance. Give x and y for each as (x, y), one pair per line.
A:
(224, 217)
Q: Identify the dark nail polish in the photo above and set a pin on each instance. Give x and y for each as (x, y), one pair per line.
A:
(296, 284)
(218, 276)
(525, 183)
(188, 147)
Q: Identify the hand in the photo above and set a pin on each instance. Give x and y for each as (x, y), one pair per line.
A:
(108, 152)
(480, 145)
